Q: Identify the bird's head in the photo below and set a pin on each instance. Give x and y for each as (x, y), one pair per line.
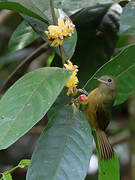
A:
(107, 83)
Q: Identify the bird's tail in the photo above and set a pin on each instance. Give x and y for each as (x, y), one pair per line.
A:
(105, 148)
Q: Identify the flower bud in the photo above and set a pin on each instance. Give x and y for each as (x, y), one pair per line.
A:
(83, 99)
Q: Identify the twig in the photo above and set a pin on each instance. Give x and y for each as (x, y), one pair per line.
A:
(66, 56)
(62, 54)
(5, 14)
(55, 23)
(19, 71)
(53, 12)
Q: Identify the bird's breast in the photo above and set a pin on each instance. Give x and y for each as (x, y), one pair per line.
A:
(97, 102)
(94, 100)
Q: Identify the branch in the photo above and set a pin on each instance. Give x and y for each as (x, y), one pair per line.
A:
(53, 12)
(5, 14)
(19, 71)
(62, 54)
(55, 23)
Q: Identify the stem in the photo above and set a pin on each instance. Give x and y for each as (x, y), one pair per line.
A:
(67, 58)
(62, 55)
(55, 23)
(11, 170)
(20, 70)
(53, 12)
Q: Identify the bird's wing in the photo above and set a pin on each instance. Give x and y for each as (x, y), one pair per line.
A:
(102, 116)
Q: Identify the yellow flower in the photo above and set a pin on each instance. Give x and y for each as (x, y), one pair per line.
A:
(54, 34)
(70, 66)
(57, 33)
(56, 42)
(70, 26)
(73, 80)
(66, 27)
(61, 22)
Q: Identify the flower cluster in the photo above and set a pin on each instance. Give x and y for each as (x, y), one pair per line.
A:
(73, 80)
(57, 33)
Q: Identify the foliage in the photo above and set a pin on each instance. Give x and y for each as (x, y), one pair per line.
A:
(127, 19)
(121, 73)
(23, 36)
(65, 146)
(72, 135)
(7, 174)
(109, 169)
(29, 99)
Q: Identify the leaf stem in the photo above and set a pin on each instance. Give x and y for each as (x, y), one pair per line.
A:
(11, 170)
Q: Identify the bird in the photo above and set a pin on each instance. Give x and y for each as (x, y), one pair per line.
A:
(98, 111)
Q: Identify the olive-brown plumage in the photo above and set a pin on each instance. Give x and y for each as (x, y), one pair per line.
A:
(98, 111)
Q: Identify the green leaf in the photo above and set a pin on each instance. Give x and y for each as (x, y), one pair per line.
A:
(23, 163)
(22, 36)
(6, 176)
(64, 148)
(122, 67)
(127, 23)
(97, 28)
(69, 6)
(37, 25)
(25, 7)
(27, 101)
(69, 45)
(108, 170)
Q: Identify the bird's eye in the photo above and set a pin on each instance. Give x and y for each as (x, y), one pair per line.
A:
(109, 80)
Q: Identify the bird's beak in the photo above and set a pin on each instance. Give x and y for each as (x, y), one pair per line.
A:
(100, 80)
(95, 78)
